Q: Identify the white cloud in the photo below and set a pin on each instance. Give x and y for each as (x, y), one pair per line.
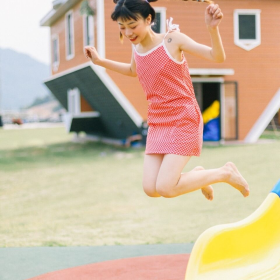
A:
(20, 28)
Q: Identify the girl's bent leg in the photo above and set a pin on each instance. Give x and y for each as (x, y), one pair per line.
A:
(152, 165)
(170, 174)
(207, 191)
(172, 183)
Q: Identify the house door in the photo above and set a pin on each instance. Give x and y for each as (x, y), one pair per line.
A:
(230, 111)
(208, 95)
(226, 93)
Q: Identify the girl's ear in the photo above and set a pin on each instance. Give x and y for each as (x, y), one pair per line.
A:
(149, 19)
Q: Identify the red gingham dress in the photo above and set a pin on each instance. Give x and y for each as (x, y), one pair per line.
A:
(174, 118)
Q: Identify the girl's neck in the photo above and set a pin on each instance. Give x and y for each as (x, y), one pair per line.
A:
(150, 40)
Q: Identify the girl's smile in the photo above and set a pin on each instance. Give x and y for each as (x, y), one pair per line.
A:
(132, 29)
(128, 28)
(133, 39)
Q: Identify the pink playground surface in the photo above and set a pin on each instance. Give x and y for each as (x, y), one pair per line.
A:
(167, 267)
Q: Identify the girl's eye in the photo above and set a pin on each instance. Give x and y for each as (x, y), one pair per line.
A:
(123, 28)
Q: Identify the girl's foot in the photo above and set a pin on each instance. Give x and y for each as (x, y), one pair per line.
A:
(235, 179)
(208, 191)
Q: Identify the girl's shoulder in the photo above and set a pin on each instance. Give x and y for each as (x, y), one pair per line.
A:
(173, 32)
(174, 37)
(176, 34)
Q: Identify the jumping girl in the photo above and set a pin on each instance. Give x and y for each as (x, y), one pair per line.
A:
(174, 118)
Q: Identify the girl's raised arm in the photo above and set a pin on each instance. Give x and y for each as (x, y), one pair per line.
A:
(213, 17)
(122, 68)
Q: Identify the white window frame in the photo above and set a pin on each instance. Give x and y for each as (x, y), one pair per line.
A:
(69, 56)
(55, 64)
(90, 31)
(74, 101)
(162, 11)
(247, 44)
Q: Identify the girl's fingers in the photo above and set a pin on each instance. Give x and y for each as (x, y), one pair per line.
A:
(209, 8)
(220, 15)
(217, 14)
(87, 53)
(87, 48)
(213, 8)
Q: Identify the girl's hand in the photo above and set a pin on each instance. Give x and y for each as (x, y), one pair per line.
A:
(213, 15)
(91, 53)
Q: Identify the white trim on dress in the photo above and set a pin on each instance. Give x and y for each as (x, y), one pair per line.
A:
(171, 27)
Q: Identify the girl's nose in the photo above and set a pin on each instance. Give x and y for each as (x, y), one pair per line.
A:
(128, 32)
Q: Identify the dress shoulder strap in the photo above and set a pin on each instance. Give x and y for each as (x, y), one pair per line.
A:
(171, 27)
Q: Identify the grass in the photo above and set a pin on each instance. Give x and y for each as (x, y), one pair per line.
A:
(269, 134)
(54, 192)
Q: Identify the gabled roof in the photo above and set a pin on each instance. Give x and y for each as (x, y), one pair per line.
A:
(117, 118)
(60, 7)
(58, 3)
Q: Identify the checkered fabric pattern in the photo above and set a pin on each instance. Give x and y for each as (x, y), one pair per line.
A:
(174, 118)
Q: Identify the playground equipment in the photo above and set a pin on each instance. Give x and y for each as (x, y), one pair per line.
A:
(246, 250)
(211, 120)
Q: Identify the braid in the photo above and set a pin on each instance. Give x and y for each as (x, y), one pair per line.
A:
(206, 1)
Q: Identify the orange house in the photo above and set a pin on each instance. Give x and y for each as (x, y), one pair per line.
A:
(113, 106)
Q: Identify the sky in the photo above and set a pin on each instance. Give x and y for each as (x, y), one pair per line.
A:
(20, 28)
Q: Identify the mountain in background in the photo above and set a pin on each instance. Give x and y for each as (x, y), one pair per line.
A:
(21, 79)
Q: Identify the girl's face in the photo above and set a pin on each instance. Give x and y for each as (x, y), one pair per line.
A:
(135, 30)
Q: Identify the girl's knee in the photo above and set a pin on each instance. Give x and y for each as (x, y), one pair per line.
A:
(164, 190)
(165, 186)
(150, 191)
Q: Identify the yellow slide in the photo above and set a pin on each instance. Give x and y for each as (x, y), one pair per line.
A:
(246, 250)
(211, 112)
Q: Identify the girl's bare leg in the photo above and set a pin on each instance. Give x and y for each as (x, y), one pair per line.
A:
(171, 183)
(152, 165)
(207, 191)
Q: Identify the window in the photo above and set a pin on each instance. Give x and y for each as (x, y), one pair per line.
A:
(88, 30)
(160, 20)
(74, 101)
(55, 52)
(69, 35)
(247, 29)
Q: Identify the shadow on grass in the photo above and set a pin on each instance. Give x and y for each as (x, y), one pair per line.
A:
(60, 152)
(64, 152)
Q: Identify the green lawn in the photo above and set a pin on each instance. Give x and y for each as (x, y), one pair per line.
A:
(57, 193)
